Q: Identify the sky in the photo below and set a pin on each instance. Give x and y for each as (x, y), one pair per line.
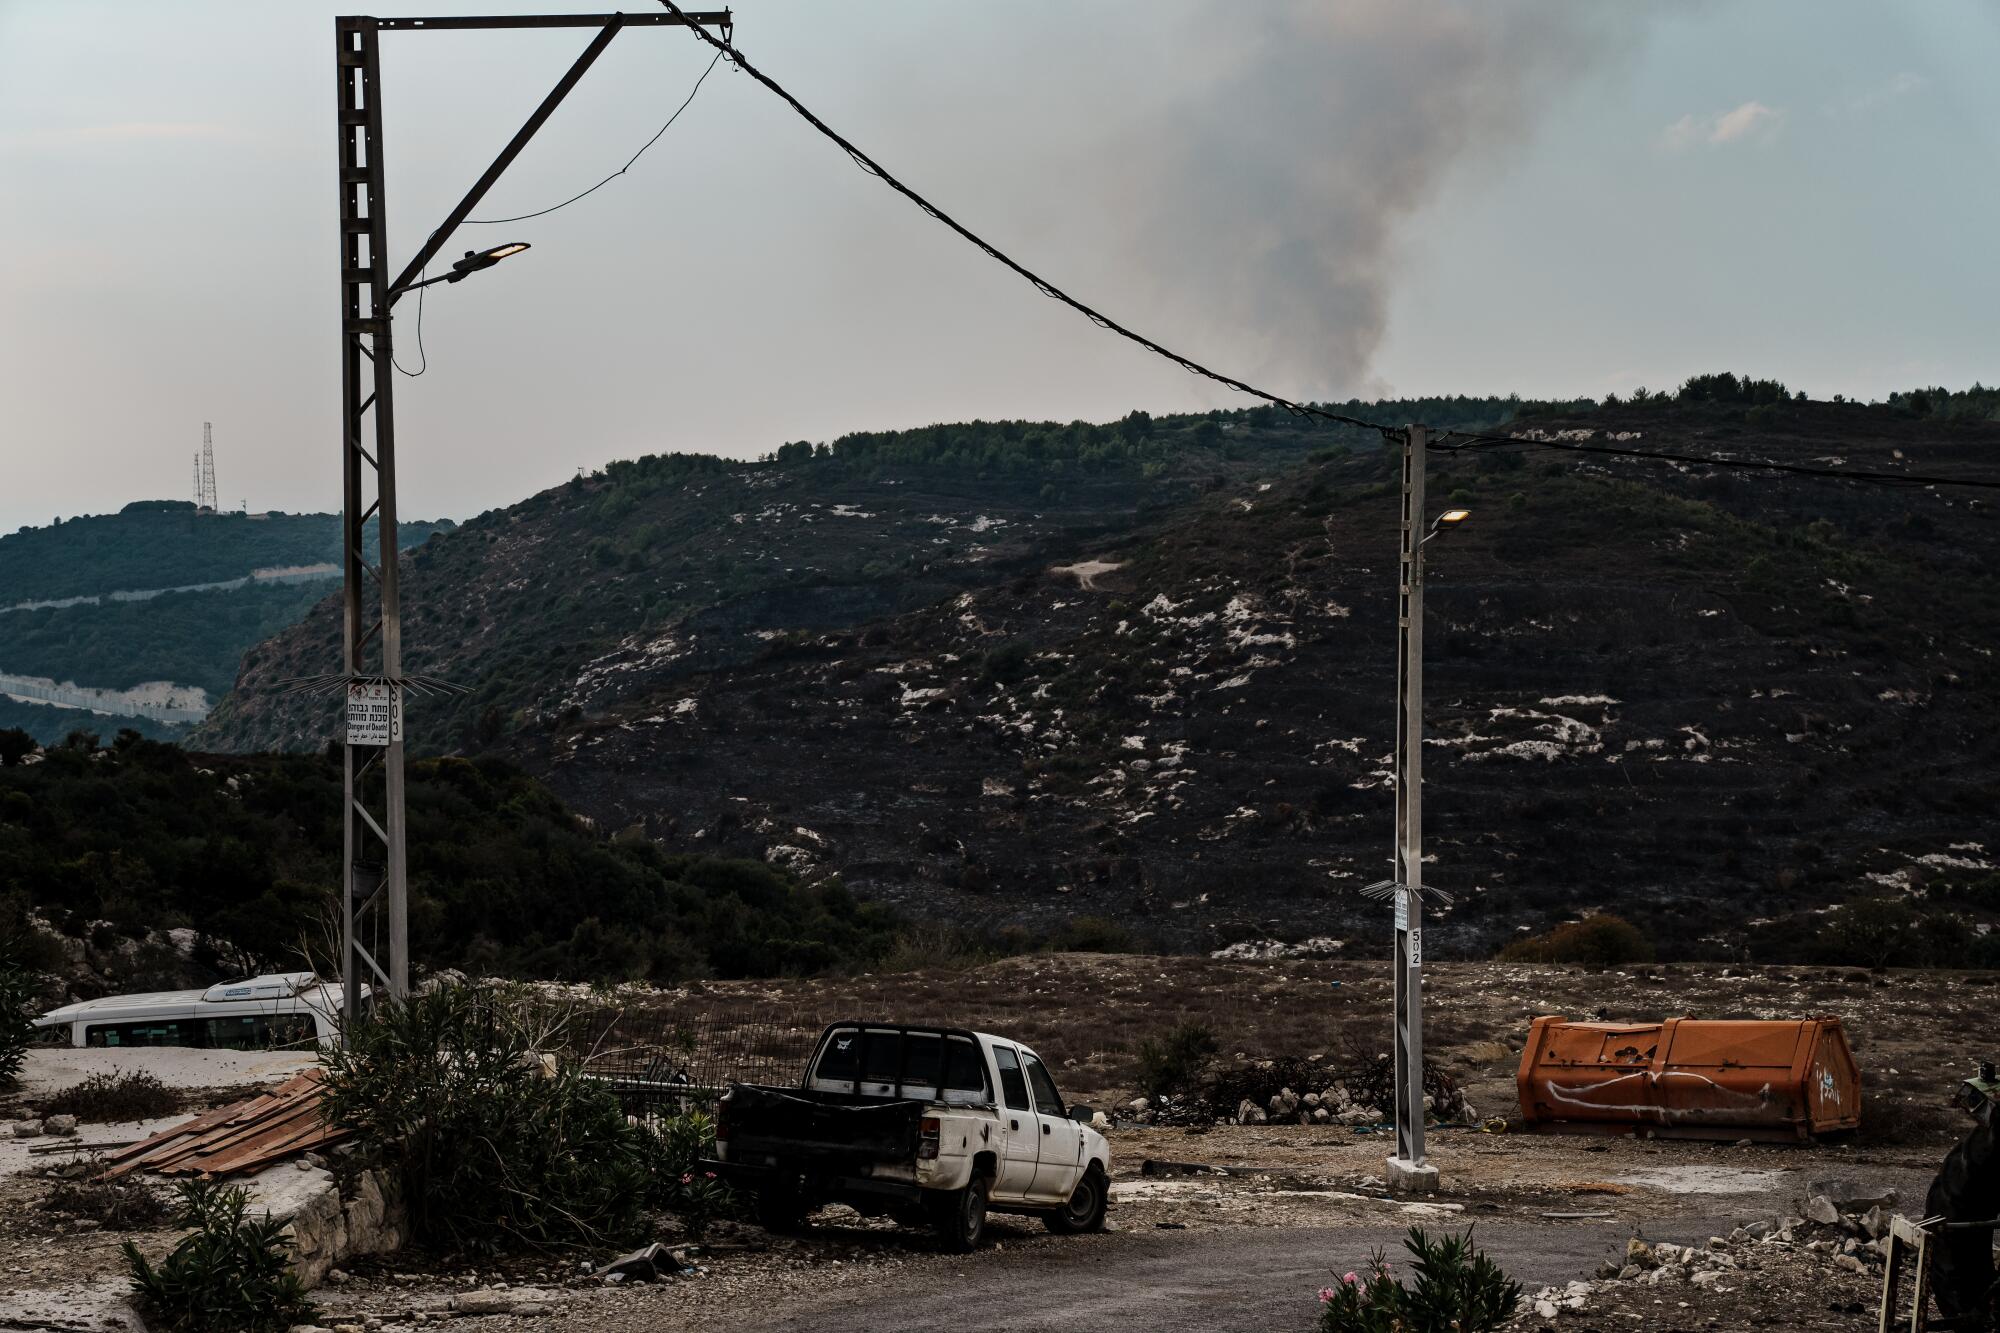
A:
(1325, 197)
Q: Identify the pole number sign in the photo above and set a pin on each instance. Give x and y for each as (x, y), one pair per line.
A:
(374, 713)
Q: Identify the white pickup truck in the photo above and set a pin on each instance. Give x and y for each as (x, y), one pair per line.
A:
(932, 1126)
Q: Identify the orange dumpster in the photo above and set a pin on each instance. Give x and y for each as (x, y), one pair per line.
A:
(1690, 1078)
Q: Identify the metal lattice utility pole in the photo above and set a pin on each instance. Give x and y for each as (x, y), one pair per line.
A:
(375, 870)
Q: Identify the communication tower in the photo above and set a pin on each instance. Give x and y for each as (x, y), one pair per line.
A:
(204, 473)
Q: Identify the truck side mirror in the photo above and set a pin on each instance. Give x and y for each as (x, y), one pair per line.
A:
(1081, 1114)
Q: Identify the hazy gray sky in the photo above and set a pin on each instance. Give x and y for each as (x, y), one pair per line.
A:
(1342, 196)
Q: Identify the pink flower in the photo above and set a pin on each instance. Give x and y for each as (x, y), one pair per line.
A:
(1325, 1295)
(687, 1179)
(708, 1175)
(1350, 1279)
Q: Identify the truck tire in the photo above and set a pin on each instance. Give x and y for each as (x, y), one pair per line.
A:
(780, 1209)
(1085, 1209)
(960, 1217)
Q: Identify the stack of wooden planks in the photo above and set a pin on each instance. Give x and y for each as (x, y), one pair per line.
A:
(242, 1137)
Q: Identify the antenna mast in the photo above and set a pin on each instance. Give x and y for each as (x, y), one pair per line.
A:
(204, 483)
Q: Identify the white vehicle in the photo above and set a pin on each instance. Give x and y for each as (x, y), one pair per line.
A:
(928, 1125)
(284, 1010)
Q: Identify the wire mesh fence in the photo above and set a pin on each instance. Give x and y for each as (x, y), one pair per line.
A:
(673, 1058)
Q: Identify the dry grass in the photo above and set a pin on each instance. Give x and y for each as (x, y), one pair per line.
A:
(1088, 1013)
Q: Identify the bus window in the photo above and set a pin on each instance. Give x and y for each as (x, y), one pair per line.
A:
(159, 1032)
(258, 1032)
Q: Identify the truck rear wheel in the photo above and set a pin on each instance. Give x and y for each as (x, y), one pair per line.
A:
(960, 1217)
(1085, 1209)
(781, 1209)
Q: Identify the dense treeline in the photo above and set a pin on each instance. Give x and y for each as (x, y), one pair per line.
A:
(1141, 439)
(1978, 403)
(503, 878)
(189, 638)
(165, 544)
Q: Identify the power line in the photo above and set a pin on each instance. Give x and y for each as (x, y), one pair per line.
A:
(488, 222)
(724, 47)
(423, 360)
(1475, 441)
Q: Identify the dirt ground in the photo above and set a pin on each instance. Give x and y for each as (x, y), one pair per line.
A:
(1298, 1205)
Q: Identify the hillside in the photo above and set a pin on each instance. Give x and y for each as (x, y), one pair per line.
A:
(154, 595)
(115, 848)
(650, 570)
(1153, 692)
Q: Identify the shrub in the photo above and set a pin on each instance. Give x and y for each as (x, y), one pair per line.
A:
(500, 1147)
(115, 1205)
(17, 1019)
(134, 1095)
(232, 1275)
(1599, 940)
(1457, 1290)
(1175, 1063)
(675, 1149)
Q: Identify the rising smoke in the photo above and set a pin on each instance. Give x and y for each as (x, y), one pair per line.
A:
(1274, 189)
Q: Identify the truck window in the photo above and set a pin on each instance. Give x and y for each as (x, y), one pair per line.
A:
(922, 1053)
(965, 1073)
(881, 1056)
(1013, 1089)
(1047, 1101)
(159, 1032)
(840, 1059)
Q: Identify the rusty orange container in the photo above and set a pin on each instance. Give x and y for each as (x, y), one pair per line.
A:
(1690, 1078)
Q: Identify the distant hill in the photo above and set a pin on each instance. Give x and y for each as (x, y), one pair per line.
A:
(93, 607)
(1141, 674)
(587, 593)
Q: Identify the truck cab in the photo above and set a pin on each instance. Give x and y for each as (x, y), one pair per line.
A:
(927, 1124)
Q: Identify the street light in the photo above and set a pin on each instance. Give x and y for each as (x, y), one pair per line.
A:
(464, 268)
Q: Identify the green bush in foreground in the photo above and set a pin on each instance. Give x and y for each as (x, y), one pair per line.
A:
(1457, 1290)
(500, 1146)
(17, 1019)
(232, 1275)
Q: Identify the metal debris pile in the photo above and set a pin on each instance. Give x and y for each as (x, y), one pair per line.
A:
(240, 1138)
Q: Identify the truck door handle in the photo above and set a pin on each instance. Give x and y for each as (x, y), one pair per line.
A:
(1013, 1124)
(1045, 1129)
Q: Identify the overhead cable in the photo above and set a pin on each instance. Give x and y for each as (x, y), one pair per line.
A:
(1476, 441)
(488, 222)
(724, 46)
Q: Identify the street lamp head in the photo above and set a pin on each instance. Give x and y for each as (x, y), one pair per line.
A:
(1453, 517)
(477, 259)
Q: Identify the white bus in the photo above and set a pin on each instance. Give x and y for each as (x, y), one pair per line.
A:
(285, 1010)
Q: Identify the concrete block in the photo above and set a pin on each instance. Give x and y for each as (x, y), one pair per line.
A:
(1406, 1177)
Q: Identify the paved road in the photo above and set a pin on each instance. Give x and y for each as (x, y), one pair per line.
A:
(1161, 1282)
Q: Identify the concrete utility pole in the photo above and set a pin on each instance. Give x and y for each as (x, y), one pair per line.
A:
(375, 869)
(1408, 1170)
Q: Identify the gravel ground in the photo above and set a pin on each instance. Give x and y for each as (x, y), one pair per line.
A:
(1238, 1251)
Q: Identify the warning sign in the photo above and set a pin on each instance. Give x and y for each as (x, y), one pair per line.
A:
(1402, 909)
(374, 713)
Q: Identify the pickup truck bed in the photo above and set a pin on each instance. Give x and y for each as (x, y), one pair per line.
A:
(830, 1130)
